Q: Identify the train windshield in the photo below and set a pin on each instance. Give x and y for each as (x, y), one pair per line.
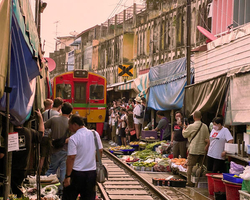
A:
(96, 92)
(63, 91)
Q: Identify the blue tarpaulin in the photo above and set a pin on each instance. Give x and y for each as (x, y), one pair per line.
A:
(23, 70)
(166, 86)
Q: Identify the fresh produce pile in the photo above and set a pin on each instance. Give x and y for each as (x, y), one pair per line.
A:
(118, 148)
(145, 154)
(151, 146)
(163, 165)
(150, 138)
(129, 159)
(199, 171)
(142, 144)
(134, 143)
(144, 164)
(179, 161)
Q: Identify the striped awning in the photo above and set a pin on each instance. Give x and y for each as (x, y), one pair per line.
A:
(128, 86)
(142, 84)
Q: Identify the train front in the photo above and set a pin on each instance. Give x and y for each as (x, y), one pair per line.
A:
(86, 91)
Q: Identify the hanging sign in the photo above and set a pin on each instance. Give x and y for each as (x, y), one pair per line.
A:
(13, 142)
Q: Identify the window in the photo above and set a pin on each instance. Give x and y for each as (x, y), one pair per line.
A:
(241, 12)
(80, 93)
(96, 92)
(63, 91)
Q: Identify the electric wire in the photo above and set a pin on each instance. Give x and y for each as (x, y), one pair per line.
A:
(202, 18)
(117, 5)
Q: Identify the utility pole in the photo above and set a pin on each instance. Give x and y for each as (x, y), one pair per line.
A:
(56, 33)
(188, 40)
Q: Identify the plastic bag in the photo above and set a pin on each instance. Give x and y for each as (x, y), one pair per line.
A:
(236, 168)
(246, 173)
(246, 185)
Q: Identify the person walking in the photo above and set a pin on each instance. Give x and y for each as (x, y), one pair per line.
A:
(219, 136)
(163, 126)
(177, 140)
(113, 127)
(59, 128)
(198, 137)
(138, 118)
(81, 161)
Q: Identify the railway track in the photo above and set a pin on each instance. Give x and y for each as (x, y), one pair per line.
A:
(125, 183)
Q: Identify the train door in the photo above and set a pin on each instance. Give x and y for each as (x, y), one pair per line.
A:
(80, 92)
(80, 98)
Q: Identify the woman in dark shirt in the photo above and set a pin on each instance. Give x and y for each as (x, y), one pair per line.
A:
(177, 140)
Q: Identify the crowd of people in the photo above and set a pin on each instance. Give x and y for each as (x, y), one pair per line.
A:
(66, 142)
(66, 145)
(124, 120)
(192, 141)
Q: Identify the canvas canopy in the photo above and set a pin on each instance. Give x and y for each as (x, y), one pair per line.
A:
(206, 96)
(5, 14)
(166, 87)
(24, 66)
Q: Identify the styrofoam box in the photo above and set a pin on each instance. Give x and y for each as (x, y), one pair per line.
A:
(231, 148)
(244, 195)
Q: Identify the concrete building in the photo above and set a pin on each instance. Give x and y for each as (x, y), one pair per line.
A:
(60, 55)
(141, 36)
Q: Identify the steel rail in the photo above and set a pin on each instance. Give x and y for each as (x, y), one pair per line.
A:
(103, 192)
(138, 176)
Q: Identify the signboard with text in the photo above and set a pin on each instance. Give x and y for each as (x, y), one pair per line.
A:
(13, 142)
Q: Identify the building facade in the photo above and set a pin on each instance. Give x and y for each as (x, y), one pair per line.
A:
(141, 36)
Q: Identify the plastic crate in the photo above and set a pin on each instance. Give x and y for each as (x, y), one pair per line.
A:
(178, 183)
(230, 178)
(244, 195)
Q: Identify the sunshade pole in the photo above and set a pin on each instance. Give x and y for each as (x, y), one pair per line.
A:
(38, 23)
(8, 155)
(188, 49)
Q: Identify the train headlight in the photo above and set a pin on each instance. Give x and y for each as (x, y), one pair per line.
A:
(100, 116)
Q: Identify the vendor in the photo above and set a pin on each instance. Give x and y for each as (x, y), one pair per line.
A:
(216, 154)
(177, 140)
(163, 126)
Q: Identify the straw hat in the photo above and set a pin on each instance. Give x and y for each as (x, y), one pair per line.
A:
(138, 99)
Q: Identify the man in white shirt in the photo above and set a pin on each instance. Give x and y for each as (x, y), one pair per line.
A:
(81, 161)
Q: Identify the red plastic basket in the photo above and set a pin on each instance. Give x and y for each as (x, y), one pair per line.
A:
(232, 191)
(210, 182)
(218, 185)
